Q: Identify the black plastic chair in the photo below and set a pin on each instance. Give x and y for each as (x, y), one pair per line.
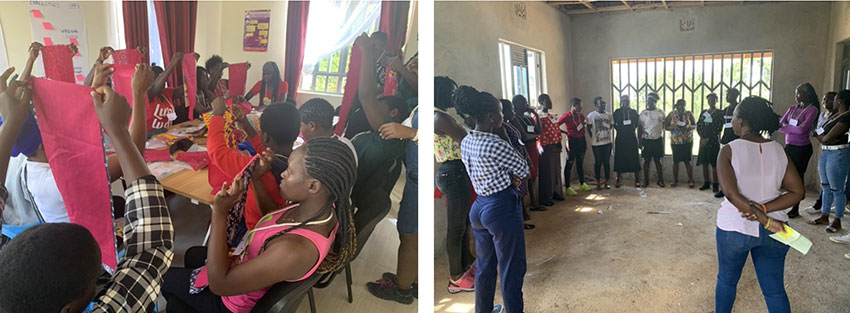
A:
(286, 297)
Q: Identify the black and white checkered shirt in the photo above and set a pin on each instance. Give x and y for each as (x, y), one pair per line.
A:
(148, 238)
(491, 162)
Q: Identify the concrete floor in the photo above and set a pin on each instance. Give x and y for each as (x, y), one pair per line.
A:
(379, 256)
(626, 260)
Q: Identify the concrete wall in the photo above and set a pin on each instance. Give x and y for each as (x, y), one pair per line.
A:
(466, 48)
(466, 38)
(839, 34)
(795, 31)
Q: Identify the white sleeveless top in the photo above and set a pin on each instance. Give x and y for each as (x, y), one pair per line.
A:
(759, 169)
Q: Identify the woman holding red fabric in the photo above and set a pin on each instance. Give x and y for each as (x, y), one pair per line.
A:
(271, 87)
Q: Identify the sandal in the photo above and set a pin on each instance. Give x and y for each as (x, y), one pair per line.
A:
(645, 184)
(822, 220)
(691, 184)
(674, 183)
(528, 226)
(618, 184)
(835, 227)
(661, 183)
(637, 185)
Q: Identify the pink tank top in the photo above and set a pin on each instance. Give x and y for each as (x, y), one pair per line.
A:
(265, 229)
(759, 169)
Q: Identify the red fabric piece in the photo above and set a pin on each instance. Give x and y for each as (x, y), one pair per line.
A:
(352, 80)
(176, 22)
(230, 163)
(58, 63)
(74, 145)
(437, 193)
(157, 155)
(197, 160)
(122, 81)
(245, 107)
(282, 89)
(394, 23)
(127, 56)
(296, 34)
(136, 26)
(237, 78)
(190, 82)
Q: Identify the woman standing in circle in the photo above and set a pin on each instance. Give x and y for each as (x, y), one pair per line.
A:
(626, 159)
(709, 126)
(797, 125)
(680, 123)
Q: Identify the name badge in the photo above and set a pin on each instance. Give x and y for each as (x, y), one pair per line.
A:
(819, 131)
(627, 122)
(728, 125)
(708, 120)
(681, 123)
(793, 122)
(580, 127)
(728, 117)
(172, 116)
(529, 128)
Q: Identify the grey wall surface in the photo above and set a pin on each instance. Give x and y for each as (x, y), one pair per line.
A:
(796, 32)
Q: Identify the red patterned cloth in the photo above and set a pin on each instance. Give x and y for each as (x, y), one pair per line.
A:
(127, 56)
(551, 134)
(197, 160)
(58, 63)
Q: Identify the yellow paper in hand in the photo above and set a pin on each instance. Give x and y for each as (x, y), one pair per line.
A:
(794, 239)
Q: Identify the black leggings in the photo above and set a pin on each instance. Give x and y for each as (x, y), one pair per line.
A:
(175, 288)
(602, 157)
(576, 156)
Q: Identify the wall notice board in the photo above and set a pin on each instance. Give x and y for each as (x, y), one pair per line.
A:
(256, 30)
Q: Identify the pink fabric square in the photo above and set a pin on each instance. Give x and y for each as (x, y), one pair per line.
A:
(74, 145)
(127, 56)
(37, 14)
(47, 25)
(197, 160)
(237, 77)
(74, 41)
(48, 41)
(157, 155)
(58, 63)
(122, 82)
(80, 78)
(190, 82)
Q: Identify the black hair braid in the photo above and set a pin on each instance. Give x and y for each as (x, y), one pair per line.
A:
(444, 89)
(275, 82)
(332, 163)
(464, 100)
(759, 114)
(813, 99)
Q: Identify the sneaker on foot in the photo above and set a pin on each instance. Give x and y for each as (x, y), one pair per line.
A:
(812, 210)
(571, 192)
(499, 309)
(841, 239)
(388, 290)
(584, 187)
(719, 194)
(392, 276)
(466, 282)
(705, 186)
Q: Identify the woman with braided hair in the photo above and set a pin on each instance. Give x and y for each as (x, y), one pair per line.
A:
(496, 170)
(314, 235)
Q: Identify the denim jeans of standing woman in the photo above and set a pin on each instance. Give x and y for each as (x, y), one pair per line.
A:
(453, 181)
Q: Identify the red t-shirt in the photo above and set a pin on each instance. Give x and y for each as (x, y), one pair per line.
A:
(160, 111)
(551, 133)
(572, 120)
(282, 89)
(230, 162)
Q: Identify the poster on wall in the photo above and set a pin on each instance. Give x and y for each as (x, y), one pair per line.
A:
(61, 23)
(256, 30)
(4, 58)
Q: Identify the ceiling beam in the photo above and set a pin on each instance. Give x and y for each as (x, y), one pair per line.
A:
(588, 5)
(652, 6)
(626, 3)
(665, 4)
(558, 3)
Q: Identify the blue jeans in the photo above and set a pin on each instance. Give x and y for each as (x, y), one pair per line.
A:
(833, 169)
(500, 241)
(408, 211)
(768, 260)
(453, 181)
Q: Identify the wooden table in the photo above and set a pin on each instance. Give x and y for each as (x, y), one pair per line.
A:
(190, 184)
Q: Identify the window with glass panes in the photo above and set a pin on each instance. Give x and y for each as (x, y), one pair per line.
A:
(692, 78)
(329, 74)
(522, 71)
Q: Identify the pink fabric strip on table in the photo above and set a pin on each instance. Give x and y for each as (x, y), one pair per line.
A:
(190, 82)
(73, 142)
(127, 56)
(237, 77)
(58, 63)
(157, 155)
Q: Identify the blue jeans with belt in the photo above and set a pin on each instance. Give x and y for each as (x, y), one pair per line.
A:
(833, 170)
(768, 260)
(500, 241)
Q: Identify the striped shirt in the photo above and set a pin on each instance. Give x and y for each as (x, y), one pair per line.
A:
(491, 162)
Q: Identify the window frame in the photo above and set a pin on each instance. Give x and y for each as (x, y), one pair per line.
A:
(507, 86)
(341, 73)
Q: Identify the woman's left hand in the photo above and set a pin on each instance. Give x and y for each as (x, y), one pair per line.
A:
(227, 197)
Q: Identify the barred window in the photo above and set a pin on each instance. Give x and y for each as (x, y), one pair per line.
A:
(692, 78)
(523, 71)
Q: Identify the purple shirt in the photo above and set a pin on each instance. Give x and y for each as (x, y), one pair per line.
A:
(797, 125)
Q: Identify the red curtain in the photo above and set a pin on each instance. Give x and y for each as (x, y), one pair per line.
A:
(296, 33)
(394, 23)
(136, 26)
(176, 22)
